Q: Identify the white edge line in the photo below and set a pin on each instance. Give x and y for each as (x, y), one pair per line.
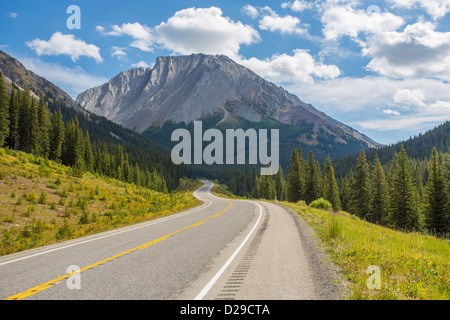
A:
(114, 233)
(216, 277)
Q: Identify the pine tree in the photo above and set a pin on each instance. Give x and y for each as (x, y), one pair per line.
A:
(330, 187)
(280, 185)
(44, 128)
(360, 201)
(119, 163)
(34, 129)
(25, 120)
(435, 198)
(313, 180)
(255, 189)
(88, 155)
(379, 195)
(57, 133)
(344, 192)
(137, 175)
(447, 178)
(295, 177)
(4, 112)
(127, 171)
(403, 214)
(13, 136)
(267, 188)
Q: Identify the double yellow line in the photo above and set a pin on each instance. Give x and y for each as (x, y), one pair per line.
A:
(51, 283)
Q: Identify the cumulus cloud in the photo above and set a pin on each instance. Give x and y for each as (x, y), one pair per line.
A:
(285, 25)
(142, 35)
(204, 30)
(65, 44)
(391, 112)
(360, 102)
(251, 11)
(13, 15)
(341, 21)
(413, 97)
(300, 67)
(416, 52)
(437, 9)
(118, 52)
(298, 5)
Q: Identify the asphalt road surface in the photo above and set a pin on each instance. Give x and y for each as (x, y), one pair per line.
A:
(222, 249)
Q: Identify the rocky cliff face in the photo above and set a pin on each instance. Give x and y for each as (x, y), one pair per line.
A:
(188, 88)
(15, 74)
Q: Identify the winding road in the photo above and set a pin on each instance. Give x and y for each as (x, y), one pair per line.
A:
(222, 249)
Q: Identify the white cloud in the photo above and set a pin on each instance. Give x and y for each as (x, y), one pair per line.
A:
(142, 35)
(204, 30)
(391, 112)
(251, 11)
(408, 123)
(298, 5)
(118, 52)
(437, 9)
(285, 25)
(13, 15)
(140, 64)
(62, 44)
(417, 52)
(360, 102)
(71, 80)
(300, 67)
(413, 97)
(341, 21)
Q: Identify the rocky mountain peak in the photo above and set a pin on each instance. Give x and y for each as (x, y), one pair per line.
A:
(189, 88)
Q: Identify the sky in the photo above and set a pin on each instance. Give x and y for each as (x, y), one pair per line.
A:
(381, 67)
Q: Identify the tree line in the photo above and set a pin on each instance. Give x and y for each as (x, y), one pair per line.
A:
(405, 193)
(26, 124)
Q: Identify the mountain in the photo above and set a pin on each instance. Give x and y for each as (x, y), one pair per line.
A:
(141, 150)
(15, 74)
(186, 88)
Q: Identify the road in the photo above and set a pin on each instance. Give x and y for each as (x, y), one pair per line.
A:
(222, 249)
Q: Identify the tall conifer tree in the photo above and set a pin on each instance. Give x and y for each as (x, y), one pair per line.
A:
(4, 112)
(436, 215)
(295, 177)
(330, 187)
(403, 214)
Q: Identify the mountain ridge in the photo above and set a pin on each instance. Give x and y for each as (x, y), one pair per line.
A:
(188, 88)
(16, 75)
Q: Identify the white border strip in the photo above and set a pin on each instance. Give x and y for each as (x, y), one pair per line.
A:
(216, 277)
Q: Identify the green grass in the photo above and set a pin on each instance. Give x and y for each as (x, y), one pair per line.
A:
(412, 265)
(41, 202)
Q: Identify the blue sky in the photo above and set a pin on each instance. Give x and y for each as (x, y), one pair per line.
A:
(382, 67)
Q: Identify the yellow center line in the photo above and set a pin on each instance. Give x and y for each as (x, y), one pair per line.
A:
(51, 283)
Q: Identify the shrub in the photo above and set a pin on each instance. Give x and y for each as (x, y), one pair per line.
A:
(321, 203)
(42, 198)
(84, 219)
(64, 232)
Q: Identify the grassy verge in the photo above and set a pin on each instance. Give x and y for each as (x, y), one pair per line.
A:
(41, 202)
(221, 190)
(412, 265)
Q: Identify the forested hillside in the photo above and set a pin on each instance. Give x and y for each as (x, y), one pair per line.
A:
(401, 192)
(418, 147)
(48, 128)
